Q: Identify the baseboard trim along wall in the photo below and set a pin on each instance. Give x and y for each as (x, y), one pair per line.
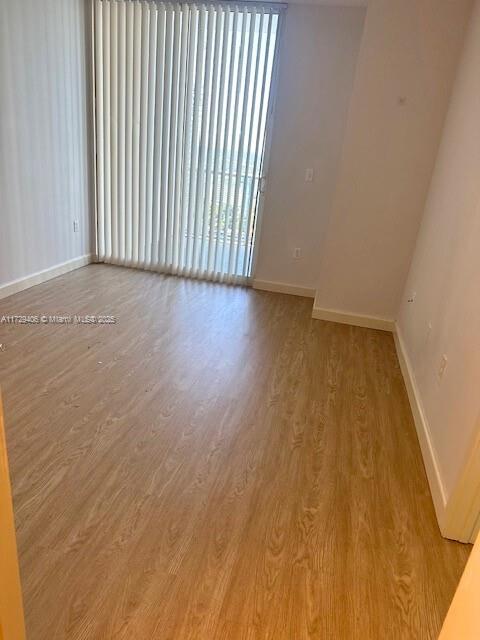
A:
(282, 287)
(423, 432)
(26, 282)
(369, 322)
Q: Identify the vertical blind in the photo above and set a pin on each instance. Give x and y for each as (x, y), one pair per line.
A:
(182, 99)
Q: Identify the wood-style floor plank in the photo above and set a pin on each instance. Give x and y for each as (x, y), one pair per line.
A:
(215, 465)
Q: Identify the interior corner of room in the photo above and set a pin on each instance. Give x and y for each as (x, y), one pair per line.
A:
(318, 164)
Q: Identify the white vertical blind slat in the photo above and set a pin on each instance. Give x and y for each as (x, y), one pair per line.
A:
(201, 178)
(262, 127)
(263, 105)
(121, 155)
(167, 93)
(172, 157)
(242, 238)
(157, 146)
(143, 130)
(213, 125)
(152, 79)
(182, 94)
(237, 205)
(137, 66)
(188, 147)
(129, 35)
(99, 122)
(219, 248)
(107, 190)
(235, 150)
(219, 141)
(114, 126)
(194, 156)
(178, 215)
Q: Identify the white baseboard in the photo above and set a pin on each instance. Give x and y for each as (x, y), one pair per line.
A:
(16, 286)
(282, 287)
(430, 461)
(370, 322)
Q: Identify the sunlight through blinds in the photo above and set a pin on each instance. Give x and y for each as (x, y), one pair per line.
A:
(182, 100)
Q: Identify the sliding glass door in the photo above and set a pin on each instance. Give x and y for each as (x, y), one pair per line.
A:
(183, 97)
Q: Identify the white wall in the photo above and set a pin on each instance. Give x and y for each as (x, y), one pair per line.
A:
(317, 66)
(445, 274)
(43, 135)
(402, 87)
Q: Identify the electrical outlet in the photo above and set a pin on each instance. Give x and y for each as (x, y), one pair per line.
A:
(443, 366)
(412, 297)
(76, 226)
(297, 253)
(309, 175)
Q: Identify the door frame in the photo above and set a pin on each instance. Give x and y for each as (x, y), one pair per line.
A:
(463, 617)
(462, 512)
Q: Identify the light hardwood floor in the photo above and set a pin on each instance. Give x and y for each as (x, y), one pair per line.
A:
(215, 465)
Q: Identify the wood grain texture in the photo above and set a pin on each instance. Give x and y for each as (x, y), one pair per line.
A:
(12, 623)
(216, 465)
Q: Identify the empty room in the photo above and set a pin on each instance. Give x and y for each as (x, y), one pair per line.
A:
(239, 320)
